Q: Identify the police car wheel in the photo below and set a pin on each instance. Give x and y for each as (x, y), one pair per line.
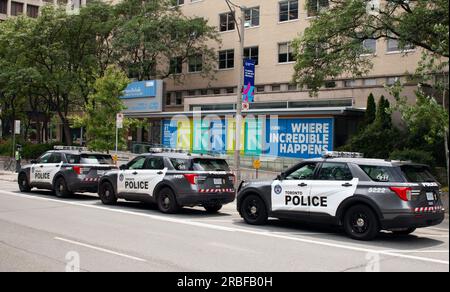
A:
(23, 183)
(361, 223)
(254, 211)
(167, 202)
(60, 188)
(212, 208)
(406, 231)
(107, 194)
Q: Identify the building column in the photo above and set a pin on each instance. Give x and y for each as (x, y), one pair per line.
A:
(8, 8)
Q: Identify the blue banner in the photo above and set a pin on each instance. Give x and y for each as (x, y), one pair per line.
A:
(249, 81)
(140, 89)
(299, 138)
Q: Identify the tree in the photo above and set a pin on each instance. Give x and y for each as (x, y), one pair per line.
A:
(332, 45)
(383, 115)
(371, 110)
(101, 110)
(152, 34)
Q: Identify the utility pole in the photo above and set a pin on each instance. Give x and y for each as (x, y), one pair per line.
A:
(240, 86)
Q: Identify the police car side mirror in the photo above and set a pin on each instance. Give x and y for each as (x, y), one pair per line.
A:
(34, 161)
(280, 177)
(123, 167)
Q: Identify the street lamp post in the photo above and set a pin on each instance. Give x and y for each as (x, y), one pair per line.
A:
(240, 86)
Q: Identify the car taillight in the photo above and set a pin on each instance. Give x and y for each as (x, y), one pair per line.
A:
(77, 169)
(403, 193)
(192, 178)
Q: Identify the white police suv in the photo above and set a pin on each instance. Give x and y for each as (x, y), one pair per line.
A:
(363, 196)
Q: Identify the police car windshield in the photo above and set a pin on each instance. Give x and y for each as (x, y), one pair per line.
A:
(210, 165)
(417, 174)
(89, 159)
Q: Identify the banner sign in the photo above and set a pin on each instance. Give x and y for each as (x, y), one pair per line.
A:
(140, 89)
(249, 81)
(143, 97)
(300, 138)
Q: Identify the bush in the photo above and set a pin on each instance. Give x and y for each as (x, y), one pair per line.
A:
(417, 156)
(29, 150)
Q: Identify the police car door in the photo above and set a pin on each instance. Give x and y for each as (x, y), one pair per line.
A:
(37, 170)
(52, 168)
(334, 183)
(291, 193)
(128, 180)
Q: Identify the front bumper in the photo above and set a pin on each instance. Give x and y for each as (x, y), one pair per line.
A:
(202, 199)
(412, 220)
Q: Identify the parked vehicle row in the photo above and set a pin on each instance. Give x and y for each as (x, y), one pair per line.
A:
(363, 196)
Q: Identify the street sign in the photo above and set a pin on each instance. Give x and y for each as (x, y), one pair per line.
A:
(17, 127)
(119, 121)
(245, 106)
(256, 164)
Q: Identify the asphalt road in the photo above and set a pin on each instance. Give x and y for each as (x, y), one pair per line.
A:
(39, 232)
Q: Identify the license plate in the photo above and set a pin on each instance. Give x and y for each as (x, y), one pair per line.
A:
(218, 181)
(430, 196)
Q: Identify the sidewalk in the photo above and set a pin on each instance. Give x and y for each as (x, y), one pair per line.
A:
(8, 176)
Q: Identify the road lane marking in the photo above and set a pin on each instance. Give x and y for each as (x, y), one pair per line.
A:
(99, 249)
(417, 251)
(233, 229)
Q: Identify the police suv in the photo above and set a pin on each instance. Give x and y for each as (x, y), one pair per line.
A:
(65, 170)
(363, 196)
(172, 180)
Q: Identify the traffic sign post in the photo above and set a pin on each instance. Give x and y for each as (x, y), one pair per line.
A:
(257, 166)
(119, 125)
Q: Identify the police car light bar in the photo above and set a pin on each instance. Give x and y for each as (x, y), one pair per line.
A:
(70, 148)
(339, 154)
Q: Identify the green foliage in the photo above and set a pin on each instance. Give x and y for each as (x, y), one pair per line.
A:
(102, 108)
(415, 155)
(29, 150)
(371, 110)
(332, 45)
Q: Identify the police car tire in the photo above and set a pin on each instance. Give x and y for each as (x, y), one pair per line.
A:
(107, 200)
(406, 231)
(64, 193)
(211, 209)
(24, 186)
(369, 230)
(167, 203)
(260, 215)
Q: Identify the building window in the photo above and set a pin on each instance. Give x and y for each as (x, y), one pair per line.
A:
(370, 82)
(179, 2)
(260, 88)
(330, 84)
(292, 87)
(252, 17)
(394, 46)
(369, 46)
(179, 98)
(230, 90)
(204, 92)
(285, 53)
(288, 10)
(316, 6)
(191, 93)
(195, 64)
(216, 91)
(176, 65)
(226, 59)
(276, 87)
(169, 98)
(16, 8)
(3, 6)
(252, 53)
(392, 80)
(349, 83)
(227, 21)
(32, 11)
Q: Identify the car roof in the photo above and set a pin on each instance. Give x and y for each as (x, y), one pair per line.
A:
(181, 155)
(74, 152)
(367, 161)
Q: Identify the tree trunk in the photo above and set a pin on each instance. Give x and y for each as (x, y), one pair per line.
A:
(66, 130)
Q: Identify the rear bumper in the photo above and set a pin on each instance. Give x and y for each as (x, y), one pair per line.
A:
(83, 186)
(201, 199)
(412, 220)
